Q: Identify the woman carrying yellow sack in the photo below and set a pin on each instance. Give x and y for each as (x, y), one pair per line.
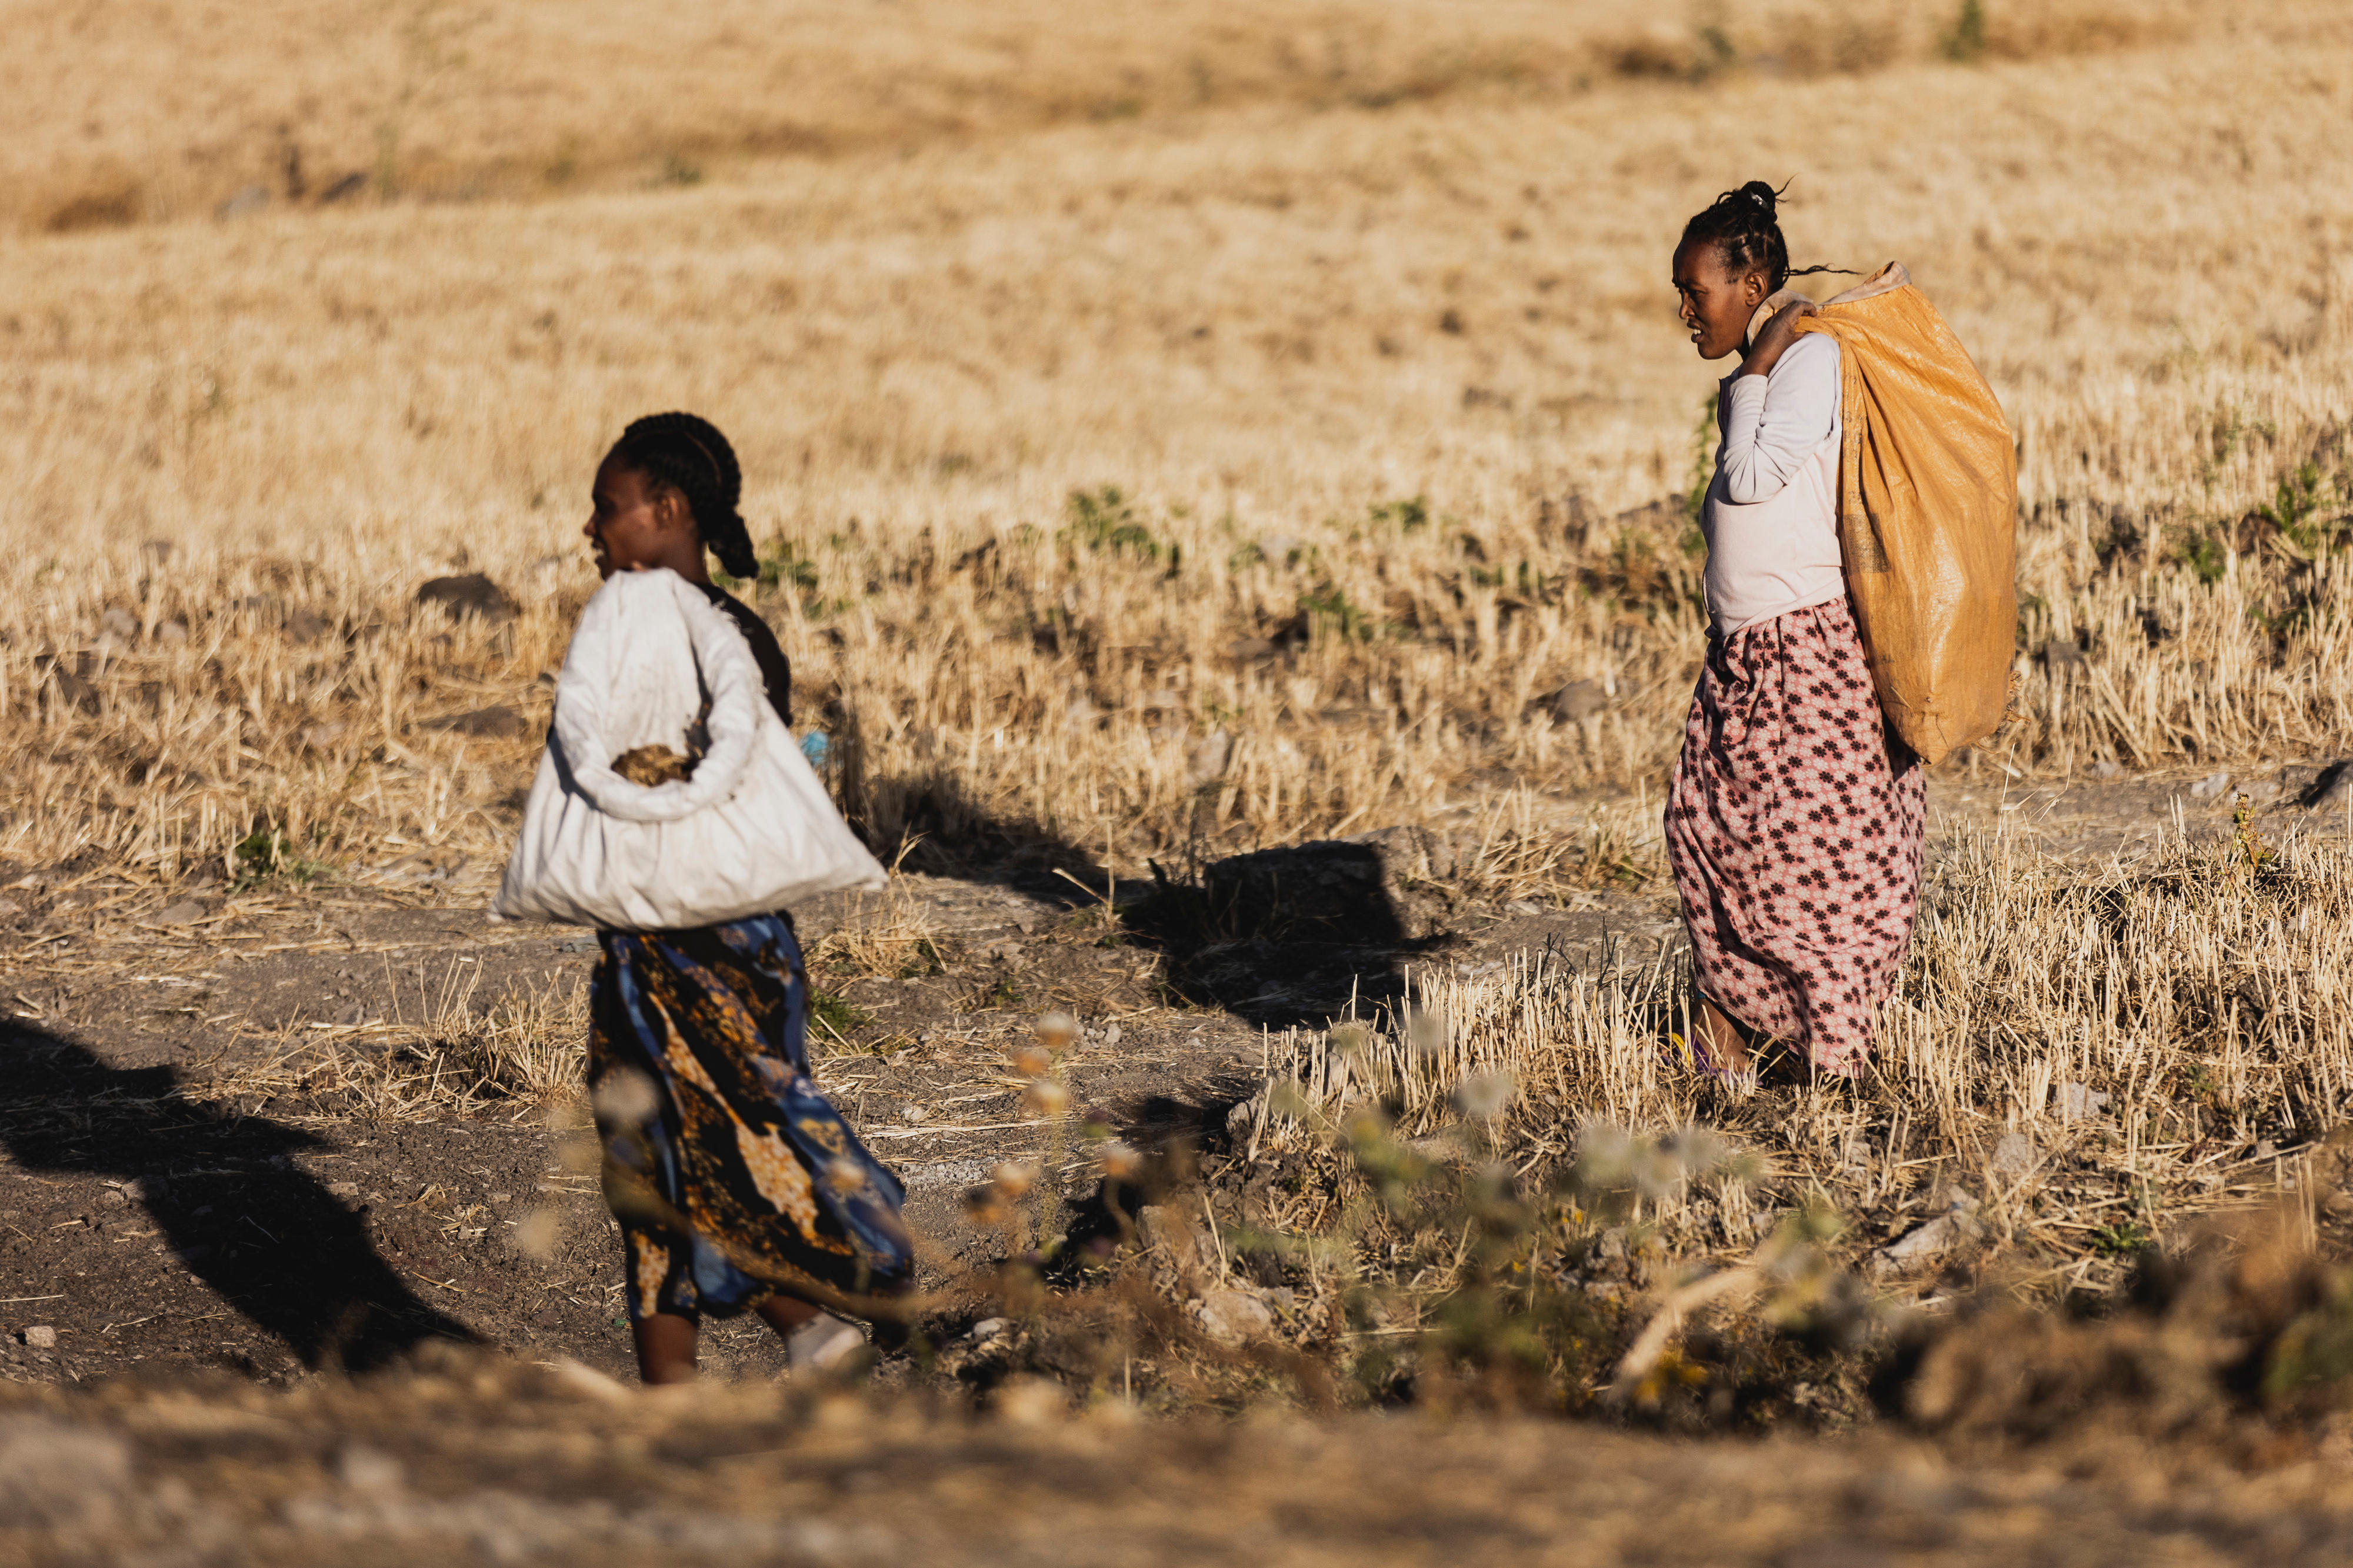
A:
(1795, 820)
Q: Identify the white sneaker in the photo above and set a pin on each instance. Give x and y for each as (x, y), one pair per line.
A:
(821, 1343)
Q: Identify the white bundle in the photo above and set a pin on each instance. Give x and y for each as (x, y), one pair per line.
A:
(751, 831)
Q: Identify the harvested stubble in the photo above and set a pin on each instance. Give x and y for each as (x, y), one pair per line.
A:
(1380, 398)
(2094, 1057)
(1373, 385)
(352, 102)
(519, 1057)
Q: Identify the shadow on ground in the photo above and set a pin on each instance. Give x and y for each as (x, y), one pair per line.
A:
(271, 1240)
(1294, 936)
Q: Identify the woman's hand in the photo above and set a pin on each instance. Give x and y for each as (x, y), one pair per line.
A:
(1775, 340)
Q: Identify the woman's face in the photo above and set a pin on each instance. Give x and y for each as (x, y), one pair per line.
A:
(1716, 306)
(632, 526)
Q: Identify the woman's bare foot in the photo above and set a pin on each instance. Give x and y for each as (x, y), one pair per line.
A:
(1723, 1044)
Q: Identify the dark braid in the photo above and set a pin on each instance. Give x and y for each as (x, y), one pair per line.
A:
(1743, 223)
(687, 453)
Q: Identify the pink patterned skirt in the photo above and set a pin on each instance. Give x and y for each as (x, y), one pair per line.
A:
(1793, 829)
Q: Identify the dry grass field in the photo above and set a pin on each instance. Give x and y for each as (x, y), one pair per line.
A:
(1176, 431)
(1379, 389)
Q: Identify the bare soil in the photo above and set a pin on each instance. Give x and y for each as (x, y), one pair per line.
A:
(159, 1217)
(181, 1203)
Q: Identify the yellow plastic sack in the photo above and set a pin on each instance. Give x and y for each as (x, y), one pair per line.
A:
(1928, 514)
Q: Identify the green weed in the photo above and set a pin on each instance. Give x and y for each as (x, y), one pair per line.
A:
(843, 1018)
(1104, 522)
(2126, 1239)
(1331, 614)
(265, 853)
(1965, 44)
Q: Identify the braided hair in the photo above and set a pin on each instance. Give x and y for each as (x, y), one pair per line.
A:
(1743, 223)
(687, 453)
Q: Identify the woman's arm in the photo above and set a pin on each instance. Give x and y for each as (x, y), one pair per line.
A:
(1772, 425)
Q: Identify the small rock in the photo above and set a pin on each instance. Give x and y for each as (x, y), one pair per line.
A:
(1204, 765)
(2210, 786)
(1245, 1117)
(2063, 653)
(345, 1189)
(41, 1337)
(251, 199)
(1957, 1224)
(940, 1174)
(1577, 702)
(119, 623)
(2013, 1155)
(2265, 1149)
(990, 1328)
(159, 550)
(113, 1199)
(10, 909)
(500, 1197)
(471, 594)
(1243, 651)
(344, 190)
(307, 625)
(172, 633)
(2078, 1099)
(483, 722)
(322, 735)
(2104, 769)
(1236, 1316)
(184, 911)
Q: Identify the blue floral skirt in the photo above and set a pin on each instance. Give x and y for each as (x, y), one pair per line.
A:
(699, 1065)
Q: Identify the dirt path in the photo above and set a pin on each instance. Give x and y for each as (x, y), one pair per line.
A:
(514, 1464)
(217, 1155)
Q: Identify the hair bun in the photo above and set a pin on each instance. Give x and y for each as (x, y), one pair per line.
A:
(1763, 194)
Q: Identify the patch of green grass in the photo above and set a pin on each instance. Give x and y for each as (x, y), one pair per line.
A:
(2125, 1238)
(925, 962)
(785, 570)
(265, 853)
(1332, 614)
(1966, 43)
(1105, 521)
(841, 1016)
(2205, 555)
(1001, 991)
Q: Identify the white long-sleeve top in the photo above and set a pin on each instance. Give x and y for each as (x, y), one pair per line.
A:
(1771, 511)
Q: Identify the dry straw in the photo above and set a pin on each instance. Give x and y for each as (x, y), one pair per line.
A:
(2076, 1060)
